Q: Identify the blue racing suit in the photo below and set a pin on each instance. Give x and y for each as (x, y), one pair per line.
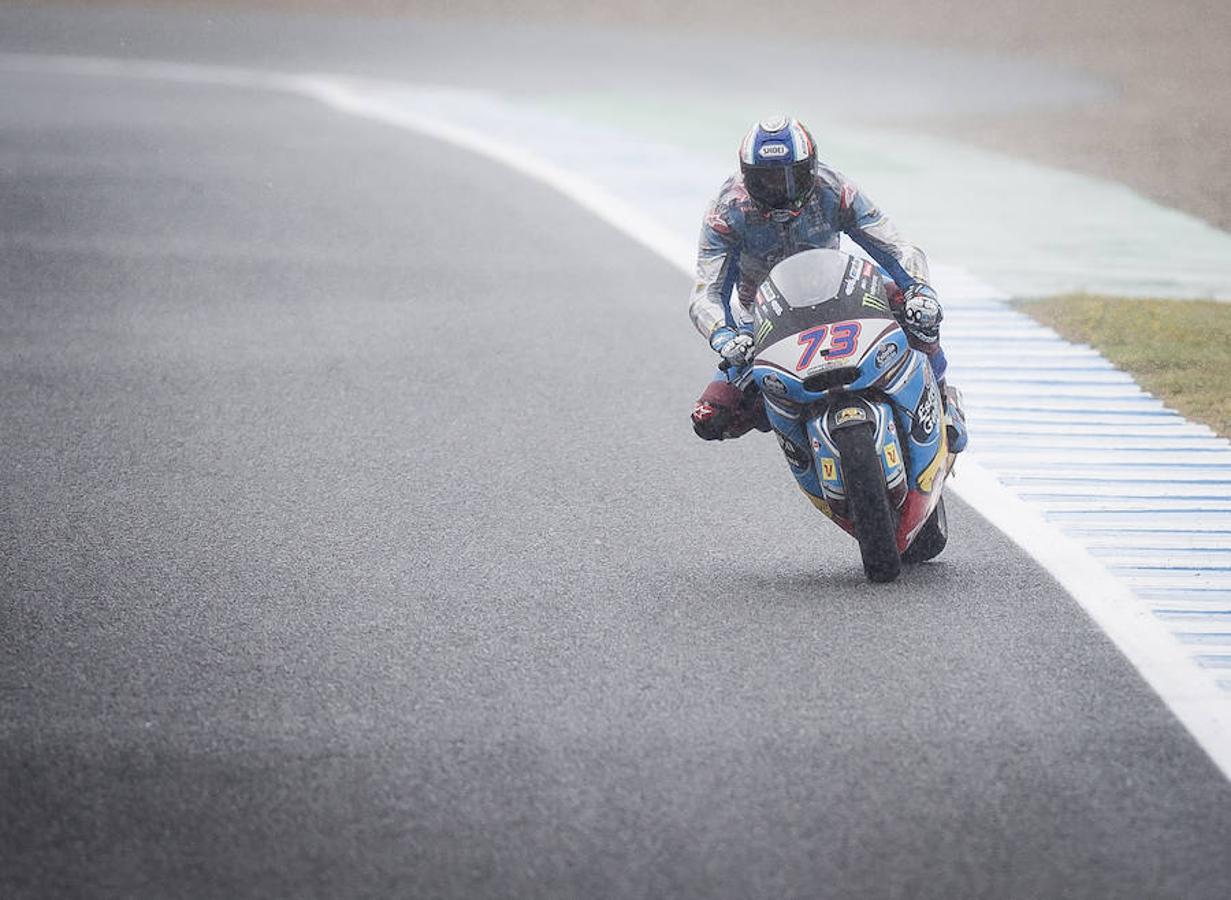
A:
(740, 242)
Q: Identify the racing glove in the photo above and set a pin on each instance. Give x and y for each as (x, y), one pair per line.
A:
(921, 314)
(734, 347)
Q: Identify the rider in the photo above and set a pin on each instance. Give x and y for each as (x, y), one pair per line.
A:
(780, 203)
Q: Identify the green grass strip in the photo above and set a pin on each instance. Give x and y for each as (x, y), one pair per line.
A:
(1178, 350)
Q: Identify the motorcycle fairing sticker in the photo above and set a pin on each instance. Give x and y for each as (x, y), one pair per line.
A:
(927, 480)
(824, 346)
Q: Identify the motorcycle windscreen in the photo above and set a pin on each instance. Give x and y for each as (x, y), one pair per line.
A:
(817, 287)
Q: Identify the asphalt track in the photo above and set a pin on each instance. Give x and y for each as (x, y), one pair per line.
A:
(355, 543)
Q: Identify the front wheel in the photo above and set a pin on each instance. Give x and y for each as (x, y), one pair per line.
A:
(867, 500)
(931, 538)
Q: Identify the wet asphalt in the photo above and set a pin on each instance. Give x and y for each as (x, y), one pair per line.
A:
(354, 542)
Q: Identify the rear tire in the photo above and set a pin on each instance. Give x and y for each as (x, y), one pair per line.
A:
(867, 500)
(931, 538)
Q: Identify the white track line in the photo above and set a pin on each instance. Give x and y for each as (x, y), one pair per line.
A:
(1136, 628)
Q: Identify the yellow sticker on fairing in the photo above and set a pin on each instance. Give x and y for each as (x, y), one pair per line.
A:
(928, 476)
(891, 455)
(819, 503)
(829, 469)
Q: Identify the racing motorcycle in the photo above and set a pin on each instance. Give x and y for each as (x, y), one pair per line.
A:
(857, 410)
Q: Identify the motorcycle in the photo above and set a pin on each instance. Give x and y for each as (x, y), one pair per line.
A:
(858, 411)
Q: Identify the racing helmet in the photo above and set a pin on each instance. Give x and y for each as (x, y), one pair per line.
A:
(778, 160)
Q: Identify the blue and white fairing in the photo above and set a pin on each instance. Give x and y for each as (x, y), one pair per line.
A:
(830, 354)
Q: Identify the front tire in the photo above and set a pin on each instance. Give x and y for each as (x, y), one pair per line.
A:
(867, 499)
(931, 538)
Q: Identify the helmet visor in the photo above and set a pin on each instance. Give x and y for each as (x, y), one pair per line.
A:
(779, 187)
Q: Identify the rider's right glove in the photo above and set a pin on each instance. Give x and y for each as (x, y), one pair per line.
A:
(734, 347)
(922, 314)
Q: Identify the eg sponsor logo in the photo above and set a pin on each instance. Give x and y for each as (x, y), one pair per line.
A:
(925, 417)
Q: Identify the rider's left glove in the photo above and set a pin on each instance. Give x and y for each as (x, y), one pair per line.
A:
(921, 314)
(735, 347)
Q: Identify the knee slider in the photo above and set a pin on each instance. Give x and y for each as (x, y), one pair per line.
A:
(710, 421)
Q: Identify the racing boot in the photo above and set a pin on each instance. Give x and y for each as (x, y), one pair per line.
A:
(955, 417)
(723, 412)
(752, 411)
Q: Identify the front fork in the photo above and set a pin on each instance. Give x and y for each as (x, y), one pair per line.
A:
(856, 412)
(814, 459)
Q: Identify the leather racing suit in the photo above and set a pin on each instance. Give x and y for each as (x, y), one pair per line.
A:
(741, 242)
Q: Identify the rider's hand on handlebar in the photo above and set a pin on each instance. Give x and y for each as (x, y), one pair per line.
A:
(921, 314)
(734, 347)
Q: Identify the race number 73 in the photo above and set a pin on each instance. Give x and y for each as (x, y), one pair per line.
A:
(842, 338)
